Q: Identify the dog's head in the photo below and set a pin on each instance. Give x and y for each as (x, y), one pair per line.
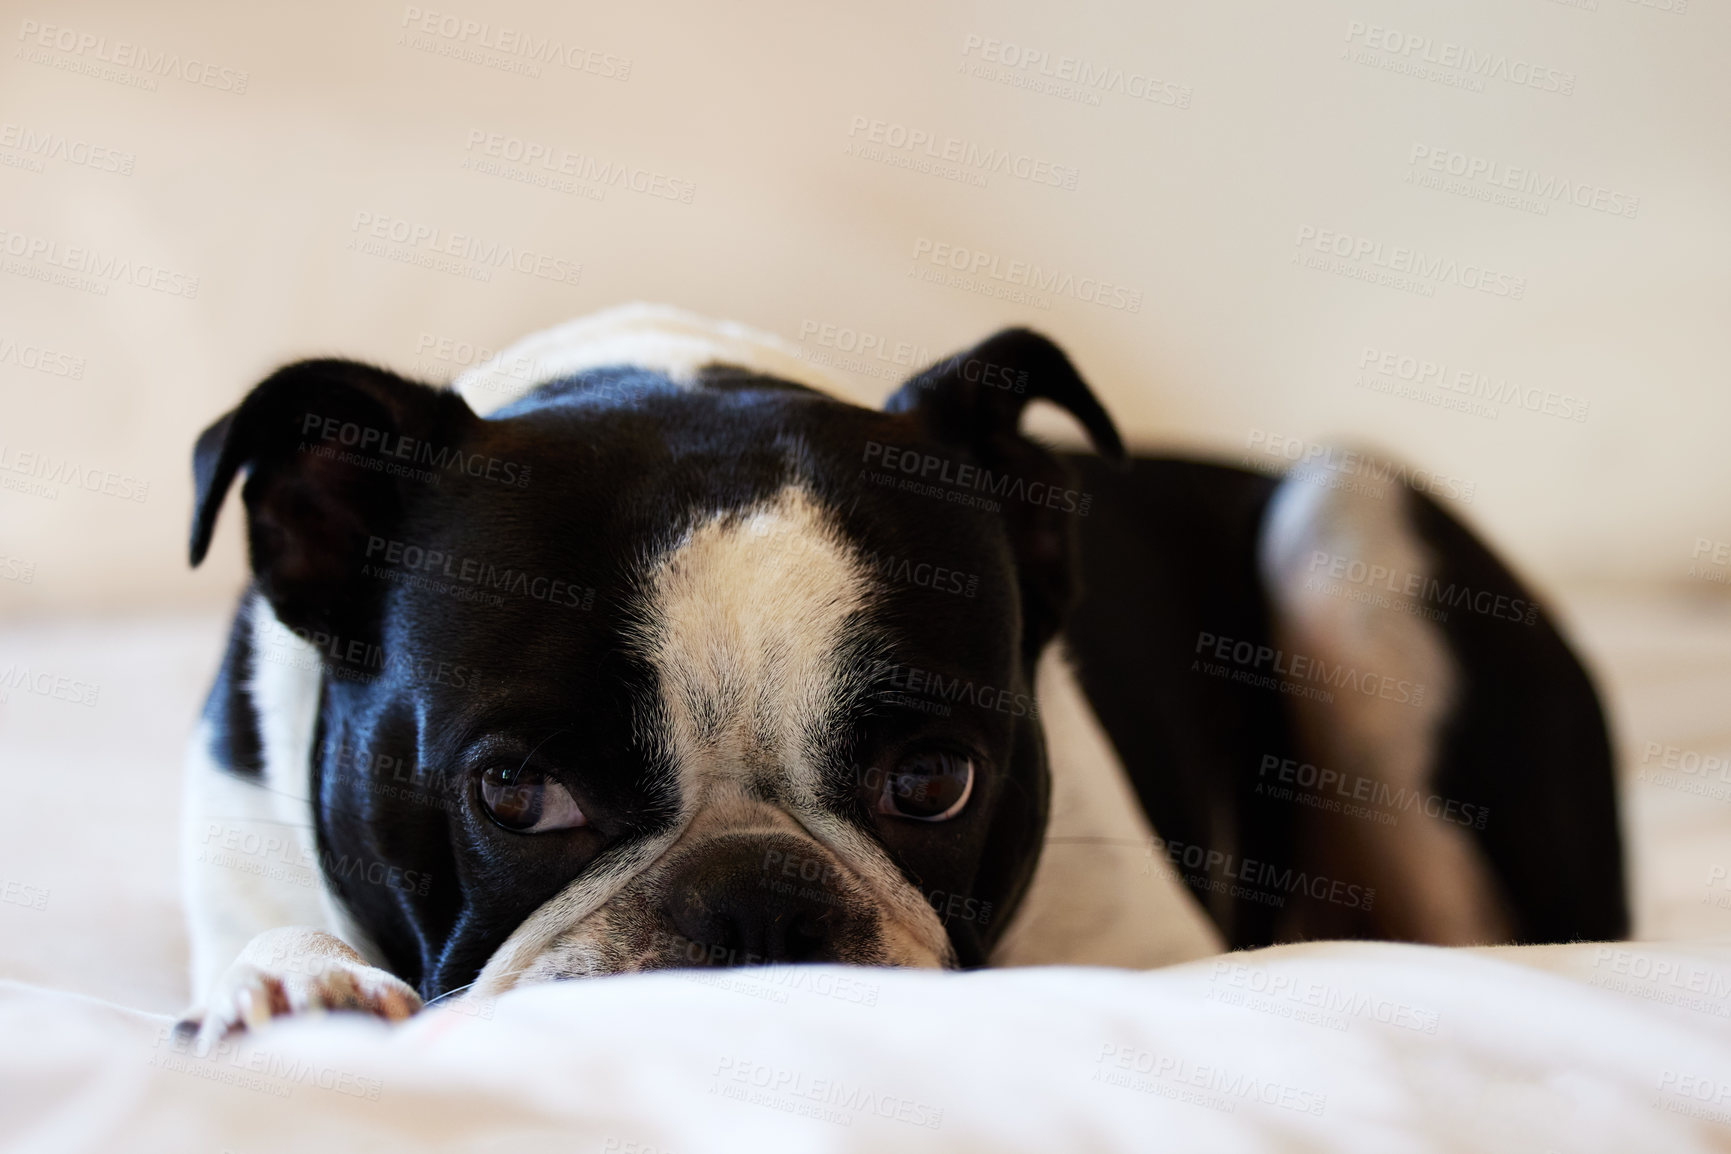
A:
(642, 672)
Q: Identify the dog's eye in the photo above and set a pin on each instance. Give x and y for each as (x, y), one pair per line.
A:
(528, 801)
(931, 785)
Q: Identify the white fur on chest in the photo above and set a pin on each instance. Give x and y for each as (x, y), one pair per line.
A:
(1099, 896)
(249, 853)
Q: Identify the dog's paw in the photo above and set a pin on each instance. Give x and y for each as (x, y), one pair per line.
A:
(296, 970)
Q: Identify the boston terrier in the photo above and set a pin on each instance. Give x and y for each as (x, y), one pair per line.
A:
(643, 647)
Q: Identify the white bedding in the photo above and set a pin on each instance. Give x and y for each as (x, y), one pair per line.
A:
(1368, 1047)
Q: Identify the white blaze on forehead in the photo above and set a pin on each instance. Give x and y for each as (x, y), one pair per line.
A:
(749, 622)
(754, 624)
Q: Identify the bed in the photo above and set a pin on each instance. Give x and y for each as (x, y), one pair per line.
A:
(1338, 1046)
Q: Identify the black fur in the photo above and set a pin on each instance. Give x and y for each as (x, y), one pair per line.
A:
(234, 734)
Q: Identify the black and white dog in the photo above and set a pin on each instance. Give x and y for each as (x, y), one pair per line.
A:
(635, 650)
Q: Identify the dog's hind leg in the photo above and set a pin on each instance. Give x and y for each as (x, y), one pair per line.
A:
(1372, 688)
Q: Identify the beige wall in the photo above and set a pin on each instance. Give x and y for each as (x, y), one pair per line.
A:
(1268, 122)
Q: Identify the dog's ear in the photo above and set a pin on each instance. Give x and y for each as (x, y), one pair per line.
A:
(974, 401)
(330, 448)
(977, 397)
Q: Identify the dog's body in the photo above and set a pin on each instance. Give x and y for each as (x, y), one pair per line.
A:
(669, 659)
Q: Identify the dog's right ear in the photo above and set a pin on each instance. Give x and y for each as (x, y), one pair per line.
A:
(329, 449)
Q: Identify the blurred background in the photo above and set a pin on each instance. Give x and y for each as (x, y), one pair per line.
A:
(366, 180)
(1489, 237)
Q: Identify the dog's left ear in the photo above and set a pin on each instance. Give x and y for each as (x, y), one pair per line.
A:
(974, 401)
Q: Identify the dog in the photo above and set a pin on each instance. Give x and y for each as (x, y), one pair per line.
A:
(641, 648)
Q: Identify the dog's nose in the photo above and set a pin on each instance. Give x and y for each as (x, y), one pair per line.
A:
(749, 901)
